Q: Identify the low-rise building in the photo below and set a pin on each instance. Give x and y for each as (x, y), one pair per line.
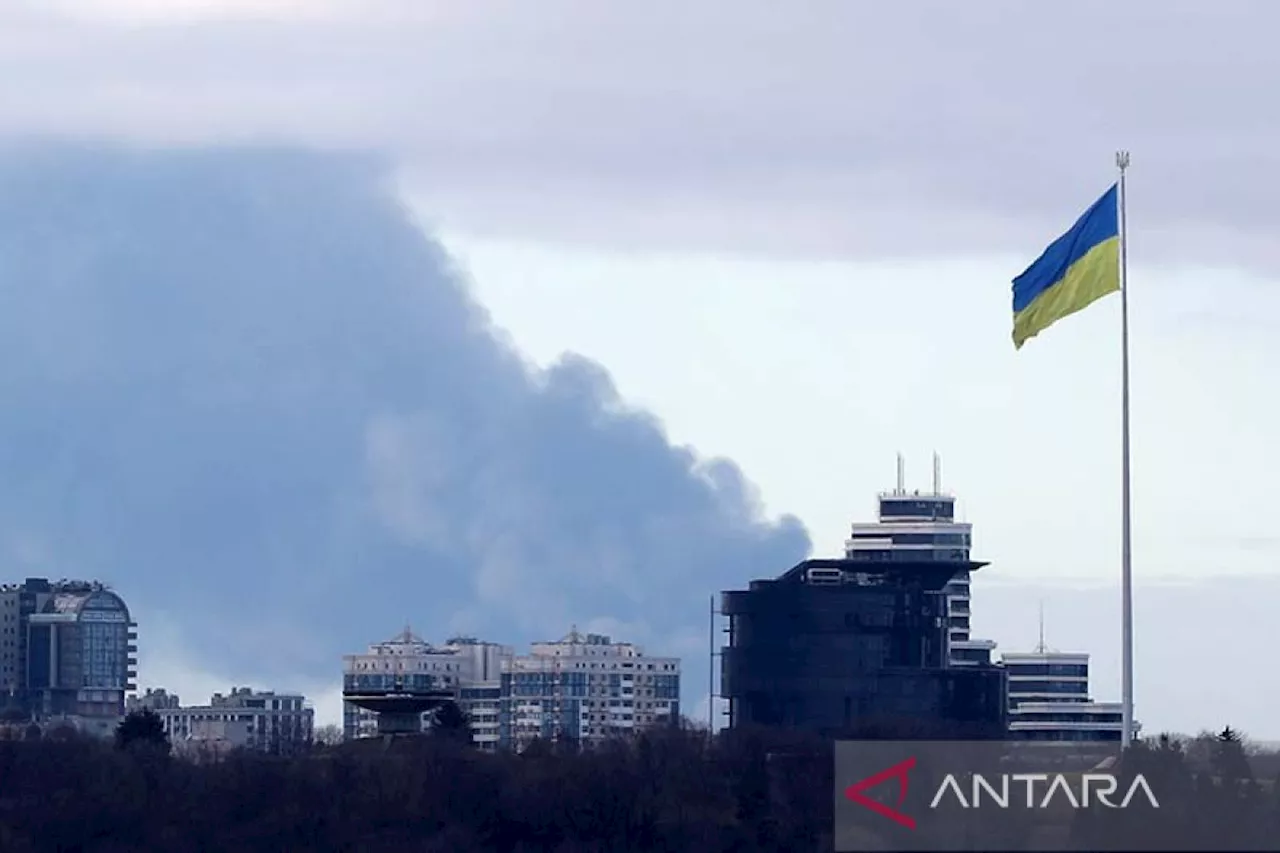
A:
(154, 700)
(280, 723)
(1049, 699)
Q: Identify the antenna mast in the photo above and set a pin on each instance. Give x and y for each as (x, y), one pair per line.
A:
(1042, 648)
(902, 476)
(937, 473)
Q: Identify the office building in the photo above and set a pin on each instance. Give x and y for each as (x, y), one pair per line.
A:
(586, 689)
(834, 645)
(916, 527)
(67, 652)
(464, 670)
(277, 723)
(1049, 699)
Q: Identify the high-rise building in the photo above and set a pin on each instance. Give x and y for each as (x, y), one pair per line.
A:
(466, 669)
(586, 689)
(835, 644)
(13, 630)
(1049, 699)
(67, 651)
(480, 691)
(278, 723)
(922, 527)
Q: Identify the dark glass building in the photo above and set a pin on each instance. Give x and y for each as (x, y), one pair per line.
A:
(832, 645)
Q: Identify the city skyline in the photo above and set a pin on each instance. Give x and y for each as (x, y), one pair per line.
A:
(328, 702)
(243, 387)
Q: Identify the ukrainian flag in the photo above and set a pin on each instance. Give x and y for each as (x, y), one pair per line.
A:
(1078, 269)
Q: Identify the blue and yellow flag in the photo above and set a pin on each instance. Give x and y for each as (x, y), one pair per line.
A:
(1078, 269)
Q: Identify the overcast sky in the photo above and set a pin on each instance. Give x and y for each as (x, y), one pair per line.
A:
(784, 230)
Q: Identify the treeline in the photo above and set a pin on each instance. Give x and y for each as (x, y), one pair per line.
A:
(670, 791)
(1213, 794)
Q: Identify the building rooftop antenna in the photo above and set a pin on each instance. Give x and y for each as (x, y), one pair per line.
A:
(1041, 648)
(937, 473)
(902, 476)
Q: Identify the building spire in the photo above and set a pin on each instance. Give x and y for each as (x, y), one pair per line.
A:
(1041, 648)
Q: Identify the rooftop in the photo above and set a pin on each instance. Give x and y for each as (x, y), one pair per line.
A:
(45, 585)
(1045, 656)
(931, 574)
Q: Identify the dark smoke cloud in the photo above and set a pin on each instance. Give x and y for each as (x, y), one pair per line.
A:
(246, 389)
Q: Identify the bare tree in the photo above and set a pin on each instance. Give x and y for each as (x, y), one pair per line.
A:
(329, 735)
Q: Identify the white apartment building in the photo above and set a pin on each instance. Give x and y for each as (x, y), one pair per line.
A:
(267, 721)
(467, 666)
(586, 688)
(480, 691)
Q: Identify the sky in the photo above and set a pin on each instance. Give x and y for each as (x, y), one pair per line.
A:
(325, 317)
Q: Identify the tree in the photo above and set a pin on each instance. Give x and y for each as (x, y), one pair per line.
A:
(142, 728)
(451, 723)
(329, 735)
(64, 732)
(1229, 761)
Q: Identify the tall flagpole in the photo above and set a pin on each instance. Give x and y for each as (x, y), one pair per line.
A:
(1126, 525)
(711, 672)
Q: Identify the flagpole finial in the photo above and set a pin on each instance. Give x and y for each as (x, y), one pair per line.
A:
(1122, 160)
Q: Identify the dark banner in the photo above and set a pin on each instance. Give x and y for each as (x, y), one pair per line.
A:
(1016, 796)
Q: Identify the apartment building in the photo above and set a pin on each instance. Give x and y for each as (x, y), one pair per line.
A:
(583, 688)
(587, 689)
(467, 668)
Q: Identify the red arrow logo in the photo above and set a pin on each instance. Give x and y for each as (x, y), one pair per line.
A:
(897, 771)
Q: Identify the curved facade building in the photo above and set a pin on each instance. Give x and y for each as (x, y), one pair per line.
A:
(80, 651)
(833, 645)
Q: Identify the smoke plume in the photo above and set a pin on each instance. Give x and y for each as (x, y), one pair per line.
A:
(246, 389)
